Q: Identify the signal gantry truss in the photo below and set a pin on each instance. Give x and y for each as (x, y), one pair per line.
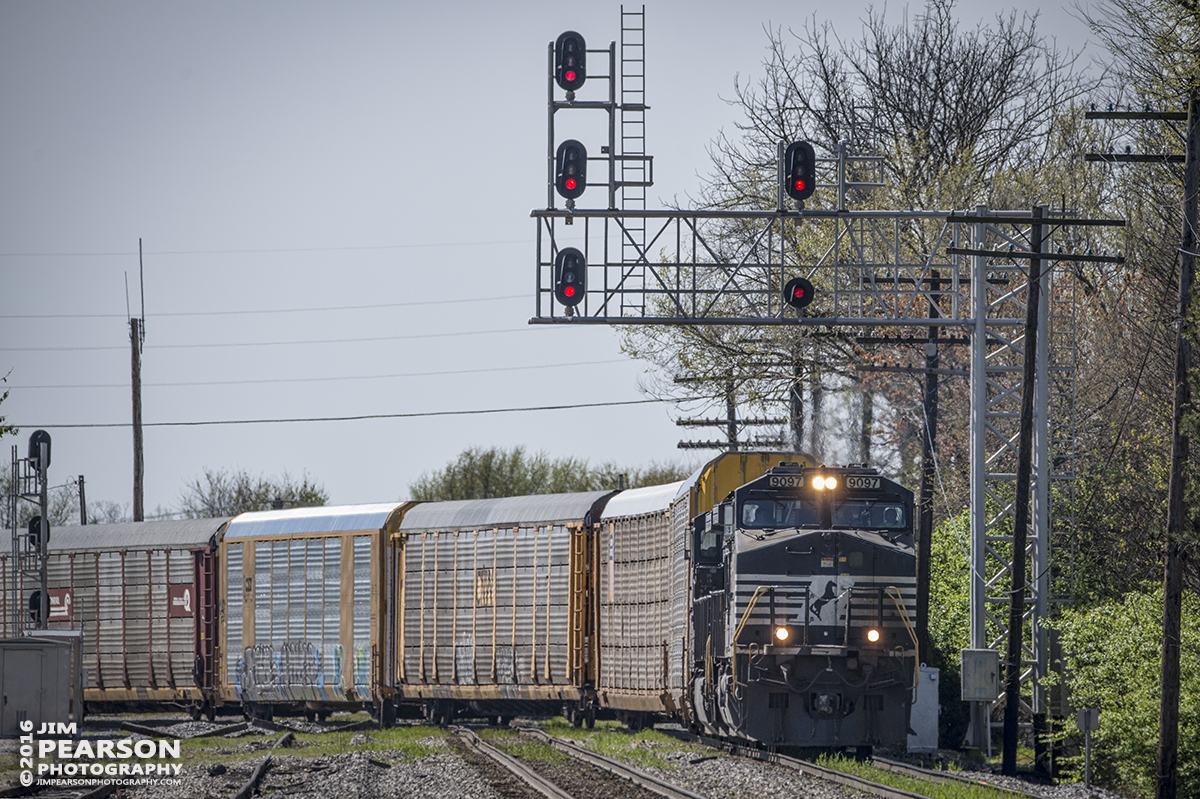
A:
(868, 270)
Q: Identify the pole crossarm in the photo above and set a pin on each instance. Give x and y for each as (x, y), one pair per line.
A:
(1096, 259)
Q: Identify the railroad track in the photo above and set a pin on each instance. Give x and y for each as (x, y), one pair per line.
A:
(850, 780)
(591, 775)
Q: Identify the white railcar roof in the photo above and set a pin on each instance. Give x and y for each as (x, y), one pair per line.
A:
(163, 534)
(323, 519)
(501, 511)
(640, 501)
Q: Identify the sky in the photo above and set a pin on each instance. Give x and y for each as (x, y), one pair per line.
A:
(333, 203)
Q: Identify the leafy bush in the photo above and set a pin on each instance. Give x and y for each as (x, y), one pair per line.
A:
(1112, 652)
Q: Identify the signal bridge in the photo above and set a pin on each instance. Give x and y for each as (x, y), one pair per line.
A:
(872, 271)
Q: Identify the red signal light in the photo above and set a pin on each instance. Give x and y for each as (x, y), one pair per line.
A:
(569, 291)
(799, 185)
(570, 184)
(798, 292)
(570, 76)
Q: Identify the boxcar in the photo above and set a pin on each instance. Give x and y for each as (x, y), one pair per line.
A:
(305, 615)
(144, 595)
(494, 603)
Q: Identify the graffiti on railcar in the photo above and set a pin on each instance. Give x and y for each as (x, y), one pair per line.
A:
(294, 669)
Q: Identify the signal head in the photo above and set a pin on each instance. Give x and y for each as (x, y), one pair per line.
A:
(798, 292)
(570, 277)
(570, 61)
(570, 173)
(800, 170)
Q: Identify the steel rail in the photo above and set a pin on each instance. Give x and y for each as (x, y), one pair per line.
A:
(640, 778)
(512, 765)
(841, 778)
(944, 777)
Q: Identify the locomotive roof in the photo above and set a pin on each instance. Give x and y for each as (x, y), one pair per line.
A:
(163, 534)
(639, 501)
(322, 519)
(476, 513)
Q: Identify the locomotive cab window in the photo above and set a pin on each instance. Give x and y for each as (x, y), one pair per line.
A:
(869, 514)
(708, 546)
(769, 512)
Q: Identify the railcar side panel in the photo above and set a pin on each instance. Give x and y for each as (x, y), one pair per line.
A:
(491, 608)
(142, 595)
(305, 606)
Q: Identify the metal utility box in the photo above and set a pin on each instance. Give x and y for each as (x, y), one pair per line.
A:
(980, 675)
(925, 709)
(39, 680)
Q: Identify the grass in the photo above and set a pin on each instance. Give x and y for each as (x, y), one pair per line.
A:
(933, 790)
(513, 743)
(612, 739)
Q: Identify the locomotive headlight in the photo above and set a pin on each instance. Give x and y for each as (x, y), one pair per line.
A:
(831, 482)
(873, 635)
(781, 634)
(818, 483)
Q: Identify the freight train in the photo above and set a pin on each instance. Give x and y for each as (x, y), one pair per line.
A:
(763, 598)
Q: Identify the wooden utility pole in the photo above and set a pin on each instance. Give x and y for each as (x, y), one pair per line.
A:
(137, 335)
(1016, 600)
(1167, 776)
(138, 469)
(925, 523)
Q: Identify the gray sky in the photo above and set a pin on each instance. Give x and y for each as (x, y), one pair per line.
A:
(287, 164)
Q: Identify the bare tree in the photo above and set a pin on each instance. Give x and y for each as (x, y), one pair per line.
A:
(228, 493)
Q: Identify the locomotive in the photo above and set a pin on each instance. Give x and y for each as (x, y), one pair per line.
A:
(756, 599)
(804, 582)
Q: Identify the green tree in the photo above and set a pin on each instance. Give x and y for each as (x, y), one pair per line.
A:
(1112, 663)
(228, 493)
(478, 473)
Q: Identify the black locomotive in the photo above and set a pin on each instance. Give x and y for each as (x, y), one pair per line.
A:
(804, 592)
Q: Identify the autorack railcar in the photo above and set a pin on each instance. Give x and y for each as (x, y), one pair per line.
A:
(494, 608)
(144, 594)
(306, 612)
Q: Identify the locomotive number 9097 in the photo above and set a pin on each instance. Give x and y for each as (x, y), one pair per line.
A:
(863, 482)
(786, 481)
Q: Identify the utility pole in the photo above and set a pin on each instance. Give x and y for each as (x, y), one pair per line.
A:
(1175, 550)
(137, 337)
(1016, 600)
(925, 526)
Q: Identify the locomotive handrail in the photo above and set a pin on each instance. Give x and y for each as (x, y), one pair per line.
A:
(893, 593)
(741, 625)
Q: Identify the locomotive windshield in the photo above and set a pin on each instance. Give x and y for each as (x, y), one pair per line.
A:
(869, 514)
(771, 512)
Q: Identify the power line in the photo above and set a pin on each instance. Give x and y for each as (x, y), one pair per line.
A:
(266, 311)
(354, 418)
(335, 379)
(265, 250)
(270, 343)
